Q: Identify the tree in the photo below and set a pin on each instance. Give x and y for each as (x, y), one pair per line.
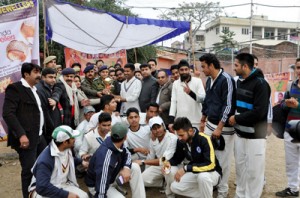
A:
(197, 13)
(224, 48)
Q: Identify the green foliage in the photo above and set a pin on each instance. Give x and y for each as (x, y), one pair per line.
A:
(195, 12)
(224, 48)
(143, 54)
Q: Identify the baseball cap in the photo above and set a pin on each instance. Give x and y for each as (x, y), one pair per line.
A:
(155, 120)
(88, 109)
(119, 131)
(218, 143)
(63, 133)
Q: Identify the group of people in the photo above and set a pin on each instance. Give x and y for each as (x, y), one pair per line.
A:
(157, 130)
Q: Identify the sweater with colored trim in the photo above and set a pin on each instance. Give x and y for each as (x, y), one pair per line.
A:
(252, 102)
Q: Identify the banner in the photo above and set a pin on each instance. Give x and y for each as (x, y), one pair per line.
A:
(278, 83)
(73, 56)
(19, 43)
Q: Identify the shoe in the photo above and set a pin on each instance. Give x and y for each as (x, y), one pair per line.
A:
(287, 193)
(222, 195)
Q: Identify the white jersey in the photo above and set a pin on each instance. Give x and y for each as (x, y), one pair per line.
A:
(139, 139)
(166, 148)
(91, 142)
(94, 120)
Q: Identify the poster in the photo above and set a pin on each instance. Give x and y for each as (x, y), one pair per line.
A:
(73, 56)
(278, 83)
(19, 43)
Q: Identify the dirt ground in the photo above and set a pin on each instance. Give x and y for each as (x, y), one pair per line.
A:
(10, 184)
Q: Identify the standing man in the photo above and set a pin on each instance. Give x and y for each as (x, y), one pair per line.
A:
(45, 90)
(24, 117)
(112, 161)
(87, 85)
(202, 173)
(218, 106)
(54, 170)
(250, 123)
(187, 94)
(153, 64)
(149, 87)
(292, 149)
(130, 90)
(50, 62)
(164, 95)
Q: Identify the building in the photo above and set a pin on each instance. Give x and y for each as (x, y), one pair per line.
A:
(177, 45)
(198, 40)
(269, 31)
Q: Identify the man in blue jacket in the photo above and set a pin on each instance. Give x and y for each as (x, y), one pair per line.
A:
(112, 162)
(54, 170)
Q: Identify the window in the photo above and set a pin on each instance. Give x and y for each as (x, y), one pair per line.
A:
(199, 37)
(217, 30)
(245, 31)
(269, 33)
(225, 29)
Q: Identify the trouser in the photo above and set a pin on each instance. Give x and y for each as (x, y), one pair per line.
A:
(27, 159)
(136, 185)
(153, 177)
(223, 156)
(250, 167)
(292, 162)
(196, 184)
(66, 187)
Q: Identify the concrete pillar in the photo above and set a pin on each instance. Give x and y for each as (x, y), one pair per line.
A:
(288, 34)
(262, 32)
(276, 34)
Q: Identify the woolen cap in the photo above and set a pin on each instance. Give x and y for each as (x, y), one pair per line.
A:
(104, 67)
(67, 71)
(88, 68)
(119, 131)
(63, 133)
(48, 59)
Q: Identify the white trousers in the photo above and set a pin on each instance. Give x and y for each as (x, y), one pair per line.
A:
(224, 157)
(292, 162)
(196, 184)
(68, 188)
(136, 185)
(250, 167)
(153, 177)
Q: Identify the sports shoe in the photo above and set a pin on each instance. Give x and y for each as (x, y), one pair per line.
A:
(287, 193)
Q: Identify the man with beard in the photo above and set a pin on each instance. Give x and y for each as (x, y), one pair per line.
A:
(119, 78)
(250, 123)
(45, 90)
(218, 106)
(130, 89)
(187, 94)
(149, 87)
(23, 114)
(202, 173)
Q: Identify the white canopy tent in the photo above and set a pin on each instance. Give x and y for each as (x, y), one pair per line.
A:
(93, 31)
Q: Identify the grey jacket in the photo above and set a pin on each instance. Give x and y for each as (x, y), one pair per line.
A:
(148, 93)
(165, 101)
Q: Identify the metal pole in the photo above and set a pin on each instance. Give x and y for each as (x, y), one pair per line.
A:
(251, 15)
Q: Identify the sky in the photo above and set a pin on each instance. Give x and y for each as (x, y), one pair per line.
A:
(273, 13)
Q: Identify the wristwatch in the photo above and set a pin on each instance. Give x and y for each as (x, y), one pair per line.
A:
(143, 162)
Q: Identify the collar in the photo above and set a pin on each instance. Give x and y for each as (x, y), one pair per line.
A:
(25, 84)
(132, 79)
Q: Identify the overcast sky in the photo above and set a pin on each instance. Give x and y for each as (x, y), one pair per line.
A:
(278, 14)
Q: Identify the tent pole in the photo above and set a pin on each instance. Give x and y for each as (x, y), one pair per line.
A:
(135, 55)
(192, 46)
(44, 18)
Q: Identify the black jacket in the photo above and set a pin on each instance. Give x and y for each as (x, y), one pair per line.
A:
(148, 93)
(252, 103)
(201, 157)
(52, 117)
(21, 114)
(219, 102)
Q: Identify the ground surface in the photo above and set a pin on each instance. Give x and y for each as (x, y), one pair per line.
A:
(10, 185)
